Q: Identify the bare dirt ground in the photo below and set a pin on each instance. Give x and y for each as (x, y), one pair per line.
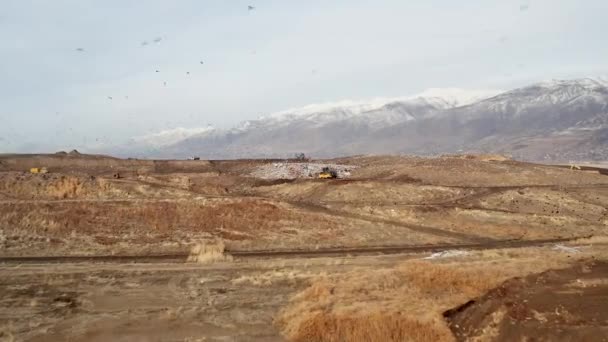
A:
(87, 256)
(567, 304)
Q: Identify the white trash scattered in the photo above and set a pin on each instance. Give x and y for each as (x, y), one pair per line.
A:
(299, 170)
(566, 249)
(447, 254)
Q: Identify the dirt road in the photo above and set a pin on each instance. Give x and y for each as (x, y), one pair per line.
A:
(266, 254)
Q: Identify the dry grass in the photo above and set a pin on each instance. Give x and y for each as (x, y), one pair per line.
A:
(384, 305)
(160, 216)
(405, 302)
(208, 252)
(597, 239)
(493, 157)
(6, 333)
(290, 277)
(373, 326)
(56, 186)
(345, 191)
(438, 279)
(66, 187)
(251, 223)
(47, 186)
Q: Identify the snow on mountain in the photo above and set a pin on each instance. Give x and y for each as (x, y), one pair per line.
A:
(525, 122)
(440, 97)
(434, 121)
(171, 136)
(456, 97)
(560, 91)
(375, 112)
(603, 80)
(537, 98)
(588, 82)
(349, 106)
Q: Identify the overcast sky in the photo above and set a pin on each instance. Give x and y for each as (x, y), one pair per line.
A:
(280, 55)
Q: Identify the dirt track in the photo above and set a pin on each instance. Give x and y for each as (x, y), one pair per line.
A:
(265, 254)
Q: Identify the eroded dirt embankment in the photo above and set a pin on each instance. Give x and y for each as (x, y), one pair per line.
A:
(557, 305)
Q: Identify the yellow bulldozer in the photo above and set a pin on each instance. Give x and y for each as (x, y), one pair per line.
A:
(328, 173)
(39, 170)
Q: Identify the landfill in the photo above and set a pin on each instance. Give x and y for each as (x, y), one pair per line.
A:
(299, 170)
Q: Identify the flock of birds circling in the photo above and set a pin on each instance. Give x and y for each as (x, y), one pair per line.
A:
(157, 40)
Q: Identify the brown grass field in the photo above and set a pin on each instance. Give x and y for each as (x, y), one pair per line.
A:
(208, 251)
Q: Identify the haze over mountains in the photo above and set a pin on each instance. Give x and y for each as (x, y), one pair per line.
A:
(558, 120)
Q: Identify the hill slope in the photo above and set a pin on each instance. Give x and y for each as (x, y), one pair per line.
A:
(556, 120)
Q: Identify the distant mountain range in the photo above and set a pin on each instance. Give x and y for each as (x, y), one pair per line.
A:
(559, 120)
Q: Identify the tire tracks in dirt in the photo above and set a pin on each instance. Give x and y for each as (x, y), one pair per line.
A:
(461, 202)
(416, 228)
(295, 253)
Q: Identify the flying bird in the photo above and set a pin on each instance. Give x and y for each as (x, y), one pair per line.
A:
(157, 40)
(202, 62)
(524, 7)
(157, 71)
(144, 43)
(165, 84)
(109, 97)
(187, 72)
(80, 49)
(250, 8)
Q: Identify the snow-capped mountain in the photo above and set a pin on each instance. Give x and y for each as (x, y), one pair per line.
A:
(525, 122)
(171, 136)
(319, 125)
(378, 112)
(549, 93)
(530, 122)
(439, 97)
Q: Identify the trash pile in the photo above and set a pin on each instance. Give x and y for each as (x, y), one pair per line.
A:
(299, 170)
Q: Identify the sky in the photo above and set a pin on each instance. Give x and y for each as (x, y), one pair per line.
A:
(125, 82)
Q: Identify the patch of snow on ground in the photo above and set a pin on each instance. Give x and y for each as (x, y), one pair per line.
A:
(566, 249)
(447, 254)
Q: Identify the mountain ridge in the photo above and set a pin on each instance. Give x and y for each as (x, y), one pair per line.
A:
(525, 122)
